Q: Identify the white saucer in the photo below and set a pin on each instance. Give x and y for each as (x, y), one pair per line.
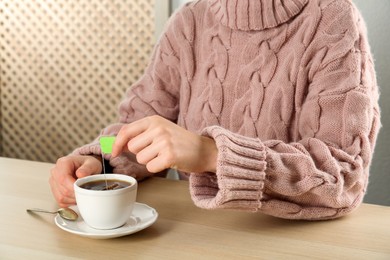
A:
(142, 217)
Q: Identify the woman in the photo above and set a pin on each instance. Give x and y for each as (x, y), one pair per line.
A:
(265, 105)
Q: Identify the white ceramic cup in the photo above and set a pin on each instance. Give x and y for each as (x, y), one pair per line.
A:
(106, 209)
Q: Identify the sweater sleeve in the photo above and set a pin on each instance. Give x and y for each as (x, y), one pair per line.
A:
(323, 174)
(155, 93)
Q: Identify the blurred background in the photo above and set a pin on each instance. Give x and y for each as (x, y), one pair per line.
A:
(65, 65)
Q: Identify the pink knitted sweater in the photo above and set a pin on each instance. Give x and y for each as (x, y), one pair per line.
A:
(286, 88)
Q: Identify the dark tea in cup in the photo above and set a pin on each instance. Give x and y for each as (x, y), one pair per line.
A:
(109, 184)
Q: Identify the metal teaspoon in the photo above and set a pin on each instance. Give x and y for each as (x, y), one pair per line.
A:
(65, 213)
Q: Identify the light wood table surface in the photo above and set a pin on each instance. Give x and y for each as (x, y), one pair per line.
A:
(182, 231)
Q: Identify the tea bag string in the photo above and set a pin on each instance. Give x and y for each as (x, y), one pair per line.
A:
(104, 171)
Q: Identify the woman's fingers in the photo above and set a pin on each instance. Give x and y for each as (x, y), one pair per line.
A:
(160, 144)
(61, 194)
(89, 166)
(64, 174)
(126, 133)
(157, 148)
(161, 162)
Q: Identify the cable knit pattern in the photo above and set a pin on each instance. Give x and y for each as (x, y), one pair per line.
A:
(287, 90)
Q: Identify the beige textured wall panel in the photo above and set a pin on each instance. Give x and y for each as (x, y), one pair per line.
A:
(65, 66)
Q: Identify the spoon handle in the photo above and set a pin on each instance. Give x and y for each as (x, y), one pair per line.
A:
(41, 210)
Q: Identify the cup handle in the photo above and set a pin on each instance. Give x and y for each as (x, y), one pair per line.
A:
(137, 220)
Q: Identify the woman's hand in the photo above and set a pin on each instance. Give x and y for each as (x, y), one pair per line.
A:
(160, 144)
(65, 173)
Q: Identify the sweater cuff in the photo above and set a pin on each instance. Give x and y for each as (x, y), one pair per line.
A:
(88, 149)
(91, 149)
(239, 179)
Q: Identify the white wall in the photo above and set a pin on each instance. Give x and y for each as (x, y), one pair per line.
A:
(163, 10)
(376, 15)
(177, 3)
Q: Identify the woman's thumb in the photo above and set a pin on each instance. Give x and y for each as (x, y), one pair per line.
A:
(89, 167)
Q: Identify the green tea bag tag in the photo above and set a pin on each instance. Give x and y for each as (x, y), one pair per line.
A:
(106, 143)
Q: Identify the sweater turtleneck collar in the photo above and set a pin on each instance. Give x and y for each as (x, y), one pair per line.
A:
(255, 14)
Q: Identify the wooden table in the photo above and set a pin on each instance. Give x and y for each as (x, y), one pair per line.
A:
(182, 230)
